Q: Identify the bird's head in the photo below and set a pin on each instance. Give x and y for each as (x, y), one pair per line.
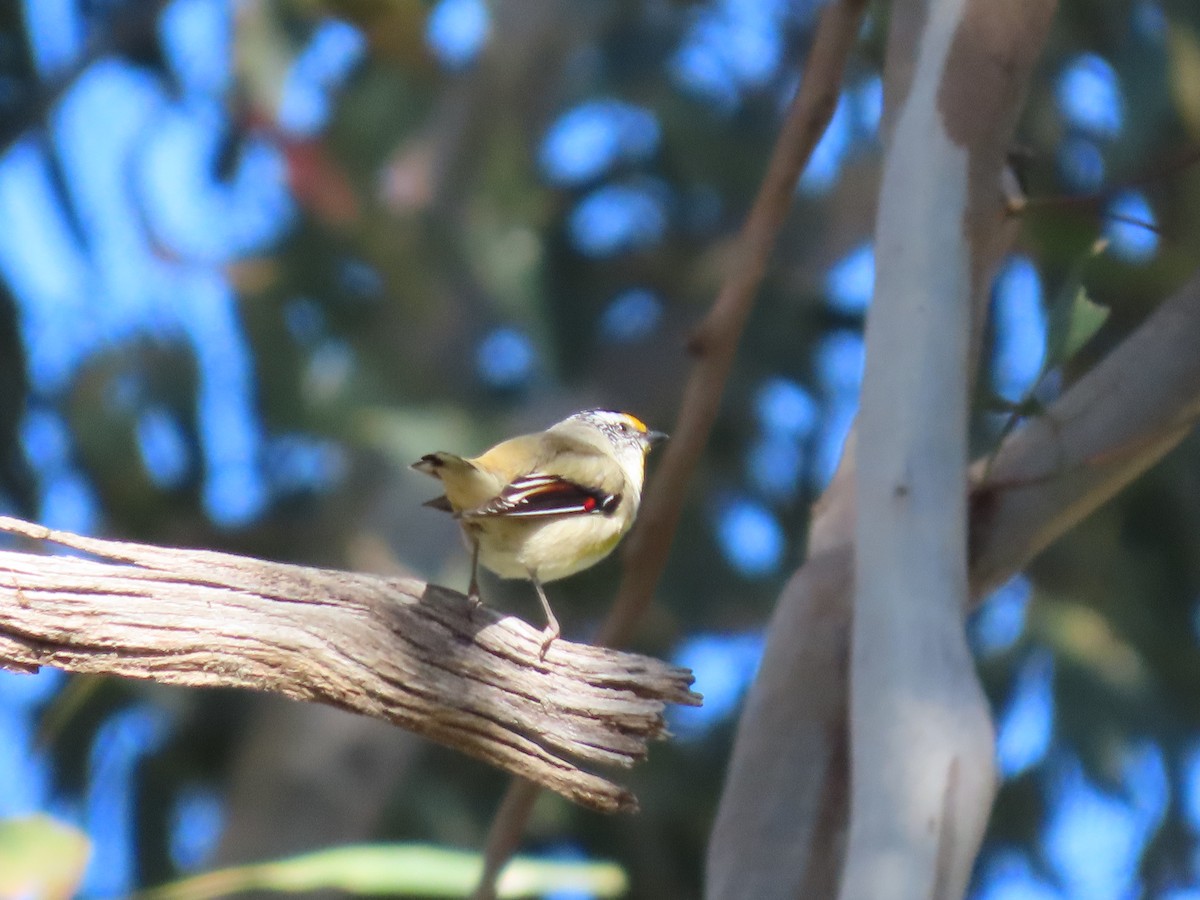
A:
(624, 431)
(623, 437)
(628, 435)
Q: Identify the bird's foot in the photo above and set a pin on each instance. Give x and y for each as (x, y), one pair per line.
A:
(549, 635)
(474, 601)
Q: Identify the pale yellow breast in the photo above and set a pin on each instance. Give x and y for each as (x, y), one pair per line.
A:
(551, 548)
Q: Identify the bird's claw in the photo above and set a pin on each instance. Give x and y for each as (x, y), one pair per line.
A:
(474, 601)
(549, 636)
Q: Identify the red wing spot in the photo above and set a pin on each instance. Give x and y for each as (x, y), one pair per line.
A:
(589, 504)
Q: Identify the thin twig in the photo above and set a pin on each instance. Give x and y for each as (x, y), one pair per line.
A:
(713, 344)
(1161, 172)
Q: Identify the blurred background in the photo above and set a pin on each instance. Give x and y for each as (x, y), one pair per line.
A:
(255, 257)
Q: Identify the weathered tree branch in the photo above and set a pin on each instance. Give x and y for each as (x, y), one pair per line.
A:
(714, 343)
(392, 648)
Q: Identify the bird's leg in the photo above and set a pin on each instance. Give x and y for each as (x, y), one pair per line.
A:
(552, 630)
(473, 588)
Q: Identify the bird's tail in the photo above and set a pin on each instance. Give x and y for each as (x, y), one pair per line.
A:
(433, 463)
(466, 485)
(437, 464)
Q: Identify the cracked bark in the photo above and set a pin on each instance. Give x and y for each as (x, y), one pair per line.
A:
(395, 649)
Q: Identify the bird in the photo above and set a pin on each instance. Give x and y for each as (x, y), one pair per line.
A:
(546, 505)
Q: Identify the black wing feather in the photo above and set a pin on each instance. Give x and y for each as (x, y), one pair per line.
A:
(545, 495)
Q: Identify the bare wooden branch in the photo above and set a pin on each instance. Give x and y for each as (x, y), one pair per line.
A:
(1117, 421)
(396, 649)
(714, 343)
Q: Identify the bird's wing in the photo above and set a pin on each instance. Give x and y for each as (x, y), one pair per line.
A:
(540, 495)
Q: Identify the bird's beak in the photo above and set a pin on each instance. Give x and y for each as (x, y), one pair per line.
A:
(654, 438)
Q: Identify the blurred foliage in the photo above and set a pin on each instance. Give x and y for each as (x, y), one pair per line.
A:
(458, 260)
(396, 870)
(41, 858)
